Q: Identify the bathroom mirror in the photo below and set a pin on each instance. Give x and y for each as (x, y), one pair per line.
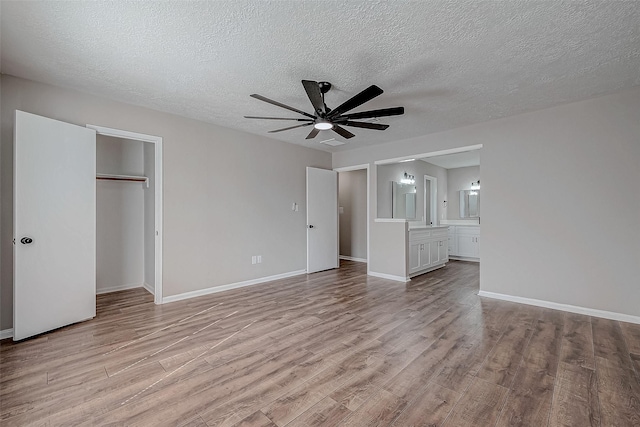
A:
(469, 203)
(404, 200)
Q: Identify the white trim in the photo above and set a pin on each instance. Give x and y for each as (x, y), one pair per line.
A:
(389, 277)
(348, 258)
(157, 141)
(148, 287)
(118, 133)
(464, 258)
(563, 307)
(433, 193)
(430, 154)
(118, 288)
(389, 220)
(354, 168)
(6, 333)
(222, 288)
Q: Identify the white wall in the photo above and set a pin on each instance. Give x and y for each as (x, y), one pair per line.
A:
(227, 194)
(560, 200)
(352, 199)
(460, 179)
(119, 215)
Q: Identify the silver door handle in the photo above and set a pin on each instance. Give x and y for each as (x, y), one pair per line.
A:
(26, 240)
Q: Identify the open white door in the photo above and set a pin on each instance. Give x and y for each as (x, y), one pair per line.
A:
(54, 224)
(322, 220)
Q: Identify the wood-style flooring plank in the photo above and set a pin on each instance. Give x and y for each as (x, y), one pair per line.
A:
(577, 341)
(480, 405)
(430, 408)
(529, 400)
(618, 393)
(326, 412)
(575, 397)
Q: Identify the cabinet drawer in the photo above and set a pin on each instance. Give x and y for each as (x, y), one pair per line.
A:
(473, 231)
(415, 235)
(441, 232)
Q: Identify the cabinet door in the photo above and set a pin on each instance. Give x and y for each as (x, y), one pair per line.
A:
(434, 252)
(451, 245)
(414, 257)
(467, 246)
(443, 249)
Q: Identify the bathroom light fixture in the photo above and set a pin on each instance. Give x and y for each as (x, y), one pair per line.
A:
(475, 185)
(406, 160)
(408, 179)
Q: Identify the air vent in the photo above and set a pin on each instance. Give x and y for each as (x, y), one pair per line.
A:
(332, 142)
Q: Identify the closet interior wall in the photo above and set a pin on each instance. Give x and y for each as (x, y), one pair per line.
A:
(125, 218)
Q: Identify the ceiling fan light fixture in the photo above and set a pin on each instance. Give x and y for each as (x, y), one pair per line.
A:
(322, 124)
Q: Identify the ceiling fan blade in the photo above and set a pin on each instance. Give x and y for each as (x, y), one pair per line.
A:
(342, 132)
(364, 96)
(395, 111)
(277, 118)
(279, 104)
(365, 125)
(313, 133)
(315, 96)
(291, 127)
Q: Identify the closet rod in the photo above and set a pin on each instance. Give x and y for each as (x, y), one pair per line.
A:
(130, 178)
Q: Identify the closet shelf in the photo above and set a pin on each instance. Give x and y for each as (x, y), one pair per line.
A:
(131, 178)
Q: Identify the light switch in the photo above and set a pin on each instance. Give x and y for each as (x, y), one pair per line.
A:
(341, 209)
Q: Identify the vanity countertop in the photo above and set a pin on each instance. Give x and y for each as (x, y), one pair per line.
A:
(466, 222)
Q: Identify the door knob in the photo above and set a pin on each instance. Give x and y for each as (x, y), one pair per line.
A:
(311, 226)
(26, 240)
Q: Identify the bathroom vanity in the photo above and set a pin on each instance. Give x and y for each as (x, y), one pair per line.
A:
(428, 249)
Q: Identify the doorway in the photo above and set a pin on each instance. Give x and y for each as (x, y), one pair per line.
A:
(353, 213)
(129, 182)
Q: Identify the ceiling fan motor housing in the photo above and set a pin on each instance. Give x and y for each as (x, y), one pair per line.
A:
(324, 86)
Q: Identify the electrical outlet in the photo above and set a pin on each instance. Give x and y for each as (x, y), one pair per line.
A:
(253, 259)
(259, 259)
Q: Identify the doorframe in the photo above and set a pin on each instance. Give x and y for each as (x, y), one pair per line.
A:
(349, 169)
(433, 199)
(157, 142)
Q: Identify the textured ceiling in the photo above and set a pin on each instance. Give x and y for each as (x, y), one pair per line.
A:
(449, 64)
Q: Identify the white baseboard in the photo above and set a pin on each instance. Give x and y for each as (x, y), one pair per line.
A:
(348, 258)
(149, 288)
(389, 277)
(464, 258)
(6, 333)
(221, 288)
(118, 288)
(563, 307)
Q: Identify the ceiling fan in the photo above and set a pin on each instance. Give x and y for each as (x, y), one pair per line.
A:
(325, 118)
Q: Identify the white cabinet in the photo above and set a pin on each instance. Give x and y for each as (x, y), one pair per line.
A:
(427, 250)
(415, 252)
(465, 242)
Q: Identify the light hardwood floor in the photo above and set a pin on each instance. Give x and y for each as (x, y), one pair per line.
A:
(335, 348)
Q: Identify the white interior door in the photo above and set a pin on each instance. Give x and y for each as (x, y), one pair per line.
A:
(322, 220)
(54, 224)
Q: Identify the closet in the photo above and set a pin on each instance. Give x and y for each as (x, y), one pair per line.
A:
(125, 214)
